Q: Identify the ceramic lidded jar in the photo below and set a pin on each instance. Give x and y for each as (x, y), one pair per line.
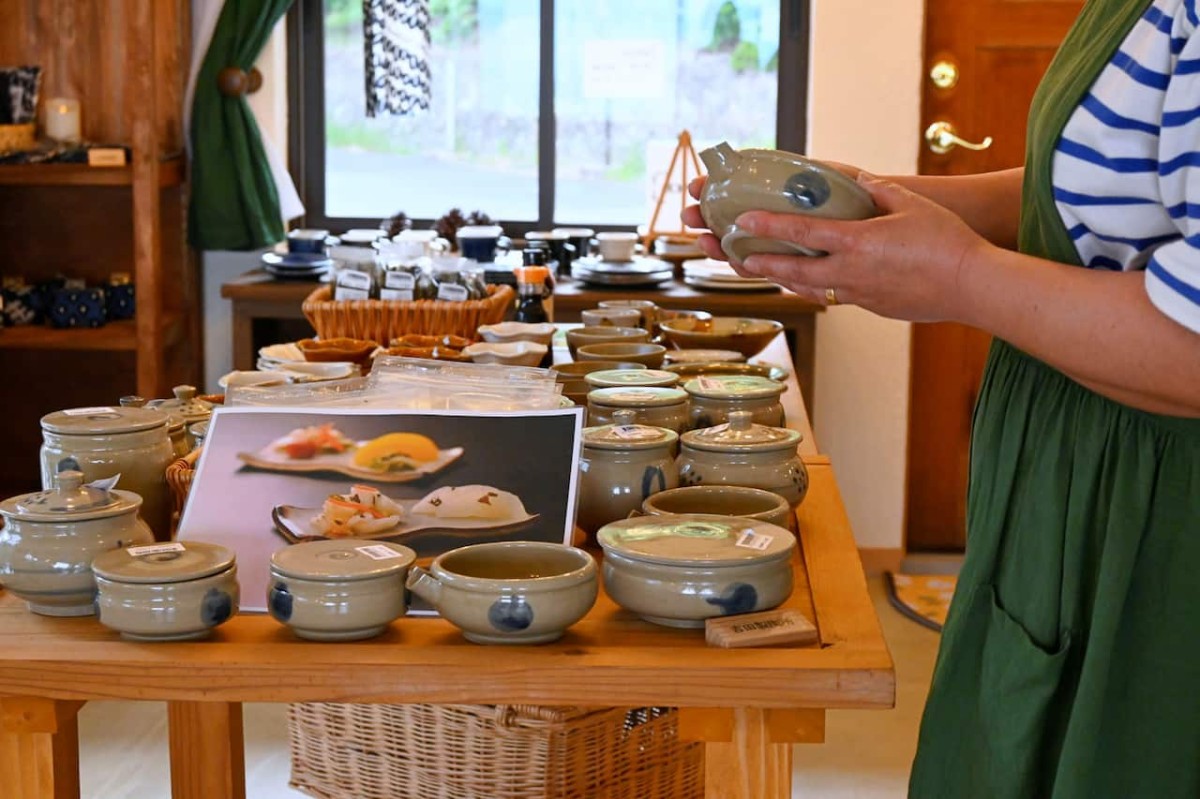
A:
(745, 454)
(186, 407)
(714, 397)
(339, 590)
(625, 378)
(680, 570)
(655, 406)
(166, 592)
(104, 442)
(50, 538)
(773, 180)
(622, 464)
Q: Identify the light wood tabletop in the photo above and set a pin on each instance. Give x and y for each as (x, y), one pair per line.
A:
(748, 705)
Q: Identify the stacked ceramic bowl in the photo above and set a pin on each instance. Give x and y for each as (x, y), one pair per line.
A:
(297, 265)
(706, 273)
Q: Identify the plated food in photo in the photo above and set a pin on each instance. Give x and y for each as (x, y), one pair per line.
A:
(393, 457)
(365, 512)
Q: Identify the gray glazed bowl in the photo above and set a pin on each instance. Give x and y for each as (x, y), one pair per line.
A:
(168, 611)
(723, 500)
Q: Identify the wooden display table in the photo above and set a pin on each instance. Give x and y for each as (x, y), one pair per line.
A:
(260, 301)
(748, 705)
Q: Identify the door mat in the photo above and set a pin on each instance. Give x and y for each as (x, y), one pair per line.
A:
(924, 598)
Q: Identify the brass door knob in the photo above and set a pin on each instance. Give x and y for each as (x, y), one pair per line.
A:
(942, 138)
(944, 74)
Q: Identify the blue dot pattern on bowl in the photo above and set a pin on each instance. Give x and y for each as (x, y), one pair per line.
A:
(280, 602)
(807, 190)
(736, 598)
(510, 614)
(216, 608)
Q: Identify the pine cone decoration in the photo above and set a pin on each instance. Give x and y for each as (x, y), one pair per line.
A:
(447, 227)
(478, 218)
(397, 222)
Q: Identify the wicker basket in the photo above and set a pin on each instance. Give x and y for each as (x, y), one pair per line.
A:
(383, 320)
(422, 751)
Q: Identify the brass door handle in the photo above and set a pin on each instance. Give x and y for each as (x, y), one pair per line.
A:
(941, 138)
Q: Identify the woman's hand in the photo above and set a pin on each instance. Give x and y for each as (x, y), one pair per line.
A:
(904, 264)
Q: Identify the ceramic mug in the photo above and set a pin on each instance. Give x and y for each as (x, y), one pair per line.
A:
(482, 242)
(616, 245)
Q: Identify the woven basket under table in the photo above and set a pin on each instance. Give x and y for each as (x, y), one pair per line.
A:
(383, 320)
(423, 751)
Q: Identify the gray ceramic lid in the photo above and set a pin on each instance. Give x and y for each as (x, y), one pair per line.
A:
(70, 500)
(174, 562)
(186, 406)
(616, 378)
(637, 396)
(696, 539)
(734, 387)
(624, 435)
(104, 420)
(342, 559)
(740, 434)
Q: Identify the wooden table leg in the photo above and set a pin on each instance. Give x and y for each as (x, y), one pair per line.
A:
(208, 757)
(748, 751)
(39, 748)
(243, 339)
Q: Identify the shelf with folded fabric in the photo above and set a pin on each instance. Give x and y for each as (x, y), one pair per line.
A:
(170, 173)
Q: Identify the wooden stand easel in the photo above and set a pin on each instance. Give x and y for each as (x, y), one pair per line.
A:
(688, 152)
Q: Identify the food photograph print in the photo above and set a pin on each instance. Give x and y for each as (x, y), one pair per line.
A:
(431, 481)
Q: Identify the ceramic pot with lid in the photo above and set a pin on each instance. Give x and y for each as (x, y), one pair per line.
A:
(342, 589)
(655, 406)
(106, 441)
(680, 570)
(166, 592)
(186, 407)
(626, 378)
(714, 397)
(623, 464)
(745, 454)
(50, 538)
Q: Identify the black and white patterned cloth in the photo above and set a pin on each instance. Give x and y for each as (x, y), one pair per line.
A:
(19, 94)
(396, 47)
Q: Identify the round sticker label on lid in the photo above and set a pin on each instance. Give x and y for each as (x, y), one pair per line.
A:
(633, 432)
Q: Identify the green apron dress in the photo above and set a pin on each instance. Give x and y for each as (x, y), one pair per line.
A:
(1070, 662)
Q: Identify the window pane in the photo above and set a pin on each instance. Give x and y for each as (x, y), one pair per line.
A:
(631, 74)
(476, 148)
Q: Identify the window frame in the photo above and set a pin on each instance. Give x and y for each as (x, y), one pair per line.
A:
(306, 102)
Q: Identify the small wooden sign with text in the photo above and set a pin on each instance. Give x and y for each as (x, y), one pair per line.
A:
(766, 628)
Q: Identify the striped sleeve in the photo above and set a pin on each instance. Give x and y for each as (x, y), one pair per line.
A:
(1173, 271)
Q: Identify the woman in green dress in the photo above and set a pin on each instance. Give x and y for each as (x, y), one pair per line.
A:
(1070, 662)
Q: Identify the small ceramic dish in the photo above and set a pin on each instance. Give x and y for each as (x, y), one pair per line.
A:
(511, 592)
(678, 570)
(647, 310)
(741, 334)
(686, 371)
(612, 317)
(540, 332)
(773, 180)
(339, 590)
(166, 592)
(635, 352)
(582, 336)
(507, 353)
(721, 500)
(236, 379)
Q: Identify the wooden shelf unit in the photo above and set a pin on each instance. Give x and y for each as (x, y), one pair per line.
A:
(126, 62)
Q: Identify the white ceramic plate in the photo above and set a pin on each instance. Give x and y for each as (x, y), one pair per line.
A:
(731, 285)
(295, 523)
(343, 463)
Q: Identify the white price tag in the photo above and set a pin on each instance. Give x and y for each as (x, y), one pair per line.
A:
(154, 549)
(452, 292)
(710, 383)
(748, 539)
(353, 279)
(399, 280)
(633, 432)
(378, 552)
(395, 294)
(87, 411)
(343, 293)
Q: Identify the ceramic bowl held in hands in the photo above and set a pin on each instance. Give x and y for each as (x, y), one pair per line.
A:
(510, 592)
(778, 181)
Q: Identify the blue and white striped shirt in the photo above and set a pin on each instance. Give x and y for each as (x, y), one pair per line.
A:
(1126, 171)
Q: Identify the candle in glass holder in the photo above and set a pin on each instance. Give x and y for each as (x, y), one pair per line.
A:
(62, 119)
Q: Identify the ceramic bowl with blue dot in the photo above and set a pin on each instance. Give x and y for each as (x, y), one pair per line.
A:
(678, 570)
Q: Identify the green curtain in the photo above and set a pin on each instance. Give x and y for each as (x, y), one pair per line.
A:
(234, 204)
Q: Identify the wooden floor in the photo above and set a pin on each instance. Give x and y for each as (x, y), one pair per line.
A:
(866, 754)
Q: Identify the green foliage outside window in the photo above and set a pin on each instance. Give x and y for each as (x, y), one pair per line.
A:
(727, 30)
(453, 20)
(744, 58)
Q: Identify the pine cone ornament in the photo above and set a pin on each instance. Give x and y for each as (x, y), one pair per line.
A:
(447, 227)
(397, 222)
(478, 218)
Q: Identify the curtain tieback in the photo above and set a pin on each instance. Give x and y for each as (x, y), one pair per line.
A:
(234, 81)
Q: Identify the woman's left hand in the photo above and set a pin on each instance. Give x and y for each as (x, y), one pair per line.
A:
(904, 264)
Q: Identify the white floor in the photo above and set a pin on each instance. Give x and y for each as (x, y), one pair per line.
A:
(866, 754)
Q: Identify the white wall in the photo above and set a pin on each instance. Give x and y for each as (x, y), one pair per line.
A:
(865, 109)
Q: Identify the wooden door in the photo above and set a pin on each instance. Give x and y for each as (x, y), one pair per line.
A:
(998, 50)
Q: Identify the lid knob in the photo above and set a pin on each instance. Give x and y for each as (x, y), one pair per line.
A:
(741, 421)
(625, 417)
(184, 393)
(68, 481)
(132, 401)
